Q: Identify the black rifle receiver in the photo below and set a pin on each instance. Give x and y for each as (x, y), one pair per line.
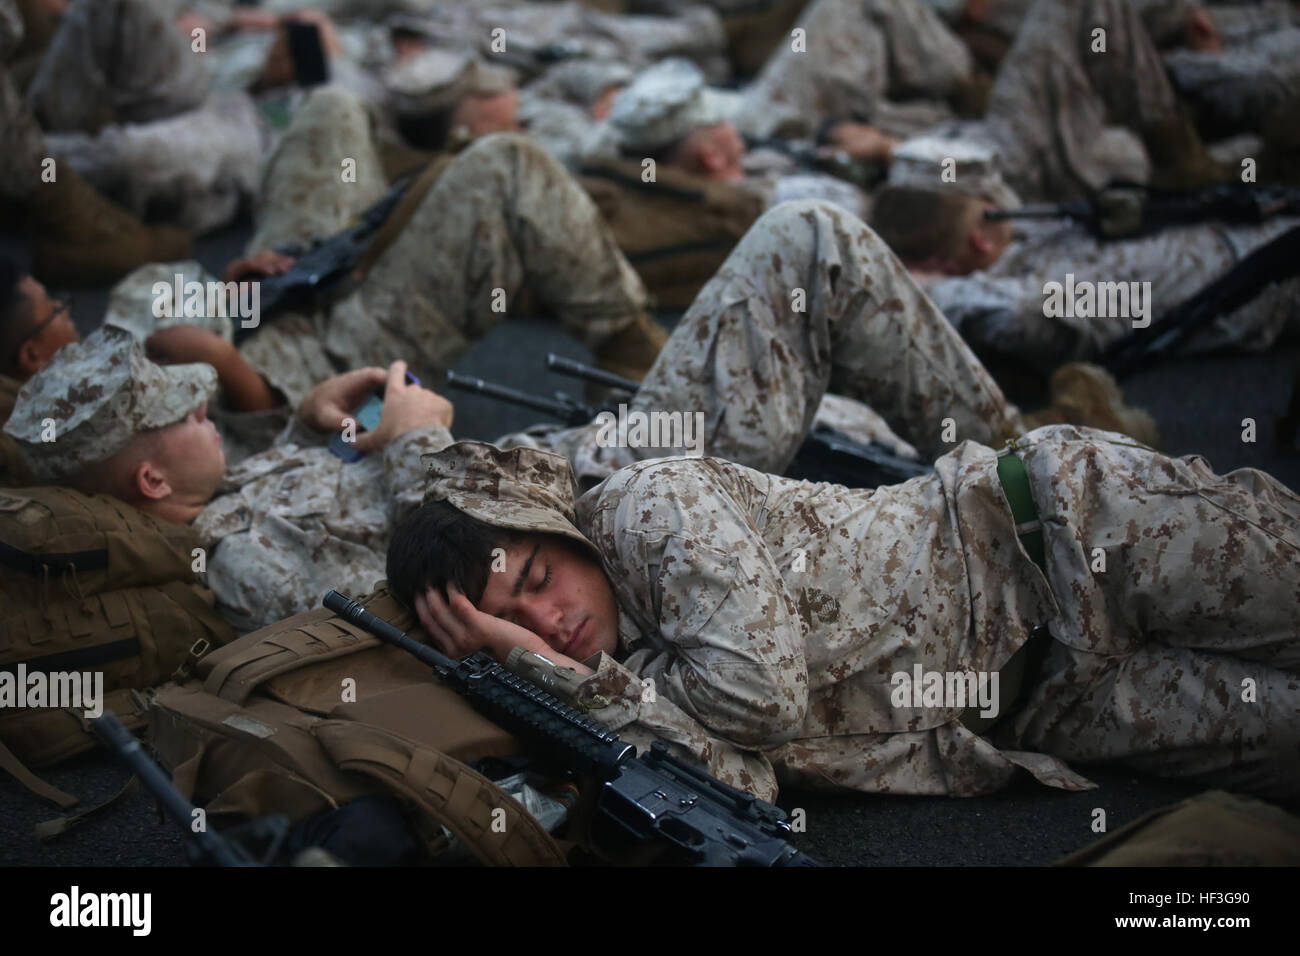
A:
(318, 269)
(653, 798)
(1123, 210)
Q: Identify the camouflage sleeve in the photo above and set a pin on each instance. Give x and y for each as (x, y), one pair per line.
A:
(925, 57)
(724, 641)
(404, 471)
(619, 698)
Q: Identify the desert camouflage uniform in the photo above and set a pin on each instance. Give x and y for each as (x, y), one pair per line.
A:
(860, 54)
(292, 522)
(1056, 110)
(201, 165)
(1147, 663)
(503, 216)
(115, 61)
(285, 525)
(757, 366)
(20, 160)
(125, 102)
(696, 33)
(1241, 86)
(1002, 308)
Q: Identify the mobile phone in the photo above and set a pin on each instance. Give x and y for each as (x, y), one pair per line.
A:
(366, 415)
(310, 67)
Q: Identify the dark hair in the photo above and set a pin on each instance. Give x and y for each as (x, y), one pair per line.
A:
(919, 223)
(15, 309)
(439, 544)
(427, 130)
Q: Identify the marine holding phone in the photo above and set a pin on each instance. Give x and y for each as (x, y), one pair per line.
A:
(381, 404)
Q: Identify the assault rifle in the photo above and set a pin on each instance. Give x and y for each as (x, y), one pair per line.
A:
(1275, 260)
(648, 799)
(1124, 211)
(825, 455)
(317, 269)
(837, 162)
(205, 844)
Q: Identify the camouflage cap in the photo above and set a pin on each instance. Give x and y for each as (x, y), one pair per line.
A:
(583, 81)
(520, 489)
(99, 394)
(436, 79)
(663, 104)
(945, 164)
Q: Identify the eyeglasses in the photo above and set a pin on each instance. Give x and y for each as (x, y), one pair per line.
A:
(62, 306)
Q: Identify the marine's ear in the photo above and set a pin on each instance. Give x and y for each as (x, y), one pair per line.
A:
(150, 481)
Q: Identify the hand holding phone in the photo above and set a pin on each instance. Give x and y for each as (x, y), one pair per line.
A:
(378, 418)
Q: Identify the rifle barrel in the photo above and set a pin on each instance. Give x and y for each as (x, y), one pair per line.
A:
(588, 373)
(564, 411)
(124, 744)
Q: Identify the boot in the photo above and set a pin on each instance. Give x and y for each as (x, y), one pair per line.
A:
(1088, 395)
(1178, 157)
(82, 238)
(629, 353)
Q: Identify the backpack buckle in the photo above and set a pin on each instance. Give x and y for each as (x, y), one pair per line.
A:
(197, 650)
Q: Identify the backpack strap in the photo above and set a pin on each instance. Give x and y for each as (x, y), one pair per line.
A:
(18, 770)
(487, 821)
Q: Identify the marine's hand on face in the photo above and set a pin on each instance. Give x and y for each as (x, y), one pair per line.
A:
(406, 408)
(460, 629)
(264, 262)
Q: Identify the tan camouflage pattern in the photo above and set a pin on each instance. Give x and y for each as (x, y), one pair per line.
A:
(115, 61)
(1200, 595)
(1002, 308)
(1055, 106)
(201, 165)
(792, 665)
(100, 393)
(757, 368)
(858, 53)
(303, 194)
(513, 488)
(767, 673)
(1244, 83)
(290, 523)
(131, 307)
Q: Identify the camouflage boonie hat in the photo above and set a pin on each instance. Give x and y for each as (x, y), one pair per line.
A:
(663, 104)
(100, 393)
(520, 489)
(437, 79)
(922, 162)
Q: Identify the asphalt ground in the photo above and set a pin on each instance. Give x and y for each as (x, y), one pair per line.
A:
(1199, 404)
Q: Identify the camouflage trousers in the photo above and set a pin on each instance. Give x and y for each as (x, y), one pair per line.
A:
(1060, 100)
(503, 218)
(118, 61)
(1177, 645)
(810, 300)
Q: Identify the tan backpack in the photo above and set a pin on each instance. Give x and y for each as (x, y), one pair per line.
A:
(90, 585)
(312, 712)
(675, 231)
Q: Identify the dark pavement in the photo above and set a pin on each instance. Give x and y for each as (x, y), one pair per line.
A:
(1199, 405)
